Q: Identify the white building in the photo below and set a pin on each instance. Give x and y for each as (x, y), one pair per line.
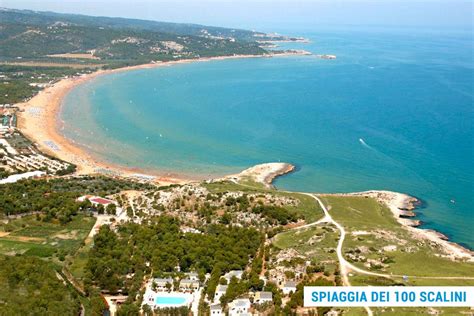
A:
(263, 297)
(187, 284)
(192, 276)
(239, 307)
(97, 200)
(16, 177)
(220, 290)
(233, 273)
(4, 129)
(162, 284)
(216, 310)
(289, 287)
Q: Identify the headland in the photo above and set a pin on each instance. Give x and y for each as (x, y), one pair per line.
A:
(39, 120)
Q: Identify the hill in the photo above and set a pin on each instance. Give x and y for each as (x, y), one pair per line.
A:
(45, 35)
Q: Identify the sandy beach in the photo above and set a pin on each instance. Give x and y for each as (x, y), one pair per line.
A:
(38, 119)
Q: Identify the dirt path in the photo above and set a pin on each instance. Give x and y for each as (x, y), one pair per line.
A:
(344, 266)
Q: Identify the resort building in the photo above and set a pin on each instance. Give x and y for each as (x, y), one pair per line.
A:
(114, 301)
(263, 297)
(239, 307)
(4, 130)
(192, 276)
(289, 287)
(220, 290)
(31, 162)
(216, 310)
(167, 300)
(191, 230)
(101, 201)
(188, 284)
(8, 147)
(159, 284)
(233, 273)
(97, 200)
(159, 294)
(16, 177)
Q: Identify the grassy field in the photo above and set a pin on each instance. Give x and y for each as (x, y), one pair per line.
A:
(30, 236)
(359, 213)
(47, 64)
(307, 206)
(317, 243)
(78, 261)
(228, 186)
(62, 246)
(361, 217)
(324, 237)
(372, 231)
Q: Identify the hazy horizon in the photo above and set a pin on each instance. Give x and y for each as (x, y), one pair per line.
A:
(275, 14)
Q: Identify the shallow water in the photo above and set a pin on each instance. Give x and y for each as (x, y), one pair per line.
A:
(394, 111)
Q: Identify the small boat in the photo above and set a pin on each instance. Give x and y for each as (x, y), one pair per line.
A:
(452, 201)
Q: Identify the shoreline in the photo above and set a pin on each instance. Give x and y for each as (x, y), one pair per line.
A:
(402, 206)
(262, 173)
(39, 120)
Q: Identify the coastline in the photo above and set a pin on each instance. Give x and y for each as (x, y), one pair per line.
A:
(262, 173)
(39, 120)
(402, 205)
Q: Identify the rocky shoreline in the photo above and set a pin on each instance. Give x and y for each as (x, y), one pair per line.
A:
(402, 207)
(262, 173)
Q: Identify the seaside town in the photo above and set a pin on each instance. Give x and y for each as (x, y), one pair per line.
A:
(80, 237)
(19, 157)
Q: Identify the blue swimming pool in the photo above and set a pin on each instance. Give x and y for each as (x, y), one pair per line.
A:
(169, 300)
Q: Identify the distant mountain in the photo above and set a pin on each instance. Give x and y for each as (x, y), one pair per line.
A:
(38, 35)
(29, 17)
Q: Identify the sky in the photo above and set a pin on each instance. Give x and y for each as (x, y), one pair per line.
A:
(265, 14)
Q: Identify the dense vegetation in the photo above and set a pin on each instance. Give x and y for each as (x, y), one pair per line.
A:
(36, 35)
(33, 44)
(30, 286)
(250, 281)
(162, 244)
(21, 82)
(296, 299)
(276, 214)
(56, 198)
(25, 17)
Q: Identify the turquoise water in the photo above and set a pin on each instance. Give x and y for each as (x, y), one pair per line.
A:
(169, 300)
(408, 94)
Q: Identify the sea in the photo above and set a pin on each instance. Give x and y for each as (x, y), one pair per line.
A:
(394, 111)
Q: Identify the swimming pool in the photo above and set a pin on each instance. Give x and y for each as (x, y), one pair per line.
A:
(169, 300)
